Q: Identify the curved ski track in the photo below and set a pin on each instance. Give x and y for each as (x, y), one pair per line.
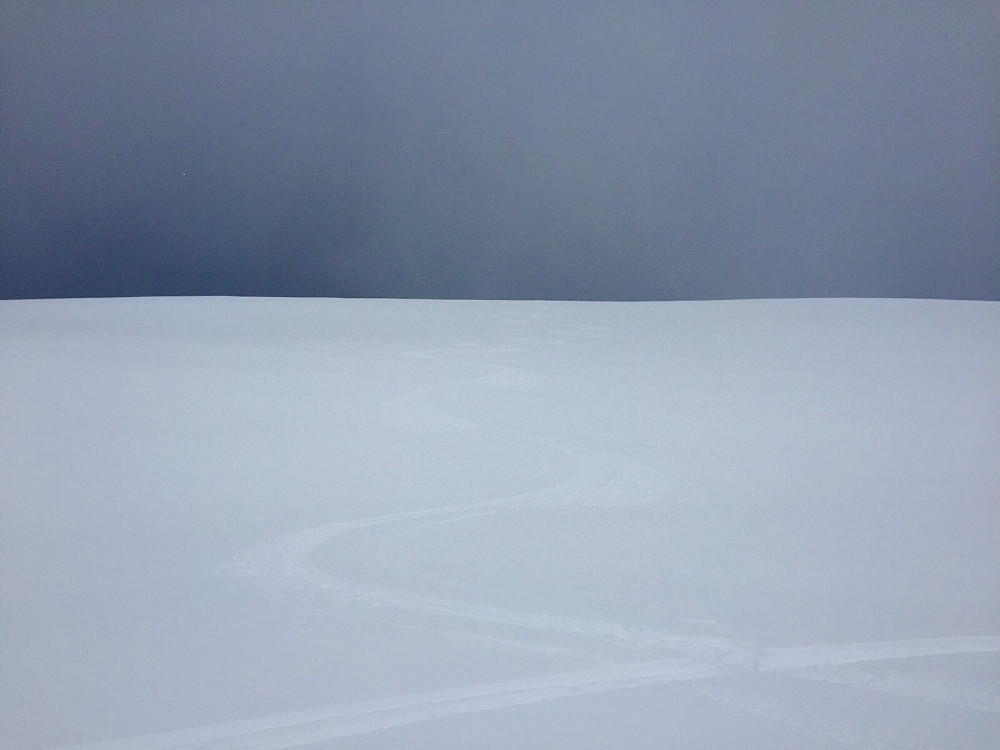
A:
(653, 657)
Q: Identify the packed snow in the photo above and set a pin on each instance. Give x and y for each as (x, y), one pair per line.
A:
(263, 523)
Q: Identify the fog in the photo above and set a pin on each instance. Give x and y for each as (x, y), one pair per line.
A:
(511, 150)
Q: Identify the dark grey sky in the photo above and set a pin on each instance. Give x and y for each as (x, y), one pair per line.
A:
(606, 150)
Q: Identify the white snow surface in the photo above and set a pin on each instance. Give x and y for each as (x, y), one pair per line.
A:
(263, 523)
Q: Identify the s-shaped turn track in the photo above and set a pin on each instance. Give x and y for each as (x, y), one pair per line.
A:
(594, 478)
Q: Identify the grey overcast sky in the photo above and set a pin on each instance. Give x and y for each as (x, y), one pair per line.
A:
(561, 150)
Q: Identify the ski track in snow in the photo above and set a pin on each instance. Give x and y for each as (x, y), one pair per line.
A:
(638, 657)
(343, 720)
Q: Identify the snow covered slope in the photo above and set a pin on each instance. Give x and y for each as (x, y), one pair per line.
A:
(249, 523)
